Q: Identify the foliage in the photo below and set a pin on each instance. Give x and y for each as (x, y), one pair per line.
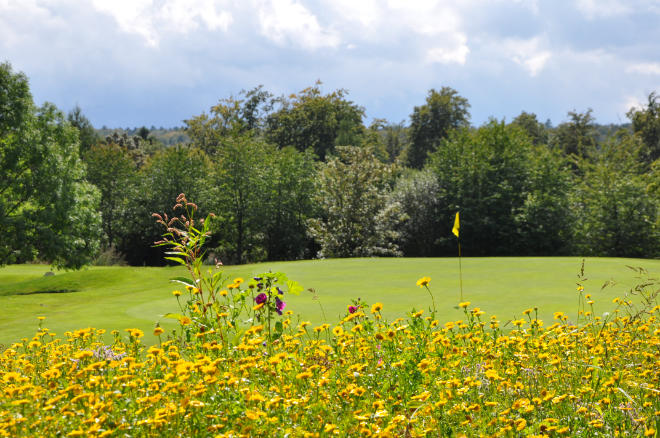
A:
(620, 208)
(241, 179)
(444, 111)
(577, 137)
(47, 209)
(288, 204)
(234, 116)
(112, 170)
(316, 121)
(226, 375)
(646, 124)
(529, 123)
(487, 175)
(420, 196)
(164, 176)
(546, 220)
(86, 132)
(356, 220)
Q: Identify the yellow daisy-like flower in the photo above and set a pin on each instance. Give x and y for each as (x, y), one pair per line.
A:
(464, 304)
(184, 320)
(424, 281)
(176, 293)
(377, 307)
(158, 331)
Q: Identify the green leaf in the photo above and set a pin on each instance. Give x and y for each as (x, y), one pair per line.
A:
(176, 259)
(176, 316)
(279, 327)
(294, 287)
(183, 280)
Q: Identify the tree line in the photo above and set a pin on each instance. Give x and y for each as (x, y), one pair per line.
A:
(303, 176)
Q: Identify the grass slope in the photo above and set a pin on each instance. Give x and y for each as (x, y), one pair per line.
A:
(123, 297)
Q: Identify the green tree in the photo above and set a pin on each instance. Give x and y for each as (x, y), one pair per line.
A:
(646, 124)
(165, 175)
(47, 209)
(536, 130)
(545, 220)
(112, 170)
(489, 176)
(316, 121)
(242, 166)
(577, 137)
(420, 198)
(288, 204)
(86, 132)
(618, 203)
(444, 111)
(232, 116)
(356, 220)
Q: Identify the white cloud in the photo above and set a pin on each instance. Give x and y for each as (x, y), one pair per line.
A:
(149, 19)
(527, 53)
(631, 102)
(645, 68)
(603, 8)
(452, 53)
(287, 22)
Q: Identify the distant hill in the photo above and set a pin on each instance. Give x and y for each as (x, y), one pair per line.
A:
(166, 136)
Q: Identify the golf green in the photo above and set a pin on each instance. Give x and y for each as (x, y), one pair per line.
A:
(130, 297)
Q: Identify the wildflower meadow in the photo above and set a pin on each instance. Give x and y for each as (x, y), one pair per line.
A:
(241, 363)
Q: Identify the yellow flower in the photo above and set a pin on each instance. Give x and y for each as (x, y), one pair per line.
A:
(158, 331)
(184, 320)
(424, 281)
(238, 281)
(377, 307)
(464, 305)
(176, 293)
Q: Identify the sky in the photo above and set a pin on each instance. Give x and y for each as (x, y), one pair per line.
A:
(130, 63)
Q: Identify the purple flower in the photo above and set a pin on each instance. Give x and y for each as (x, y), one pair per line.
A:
(352, 309)
(279, 305)
(261, 298)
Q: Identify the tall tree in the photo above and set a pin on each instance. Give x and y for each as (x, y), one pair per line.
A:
(242, 164)
(529, 123)
(47, 209)
(646, 124)
(577, 137)
(312, 120)
(430, 123)
(86, 132)
(287, 204)
(356, 220)
(488, 175)
(165, 175)
(619, 204)
(232, 116)
(112, 170)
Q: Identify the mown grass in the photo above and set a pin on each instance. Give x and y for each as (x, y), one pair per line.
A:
(128, 297)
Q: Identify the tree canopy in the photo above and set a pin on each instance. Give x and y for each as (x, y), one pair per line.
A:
(47, 208)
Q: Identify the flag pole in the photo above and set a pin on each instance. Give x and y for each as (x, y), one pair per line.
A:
(460, 268)
(456, 231)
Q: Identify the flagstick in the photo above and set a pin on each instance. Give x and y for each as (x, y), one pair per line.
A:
(460, 268)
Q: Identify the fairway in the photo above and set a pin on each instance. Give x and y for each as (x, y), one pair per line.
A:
(130, 297)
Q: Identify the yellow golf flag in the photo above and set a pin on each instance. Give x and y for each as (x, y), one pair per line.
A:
(457, 226)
